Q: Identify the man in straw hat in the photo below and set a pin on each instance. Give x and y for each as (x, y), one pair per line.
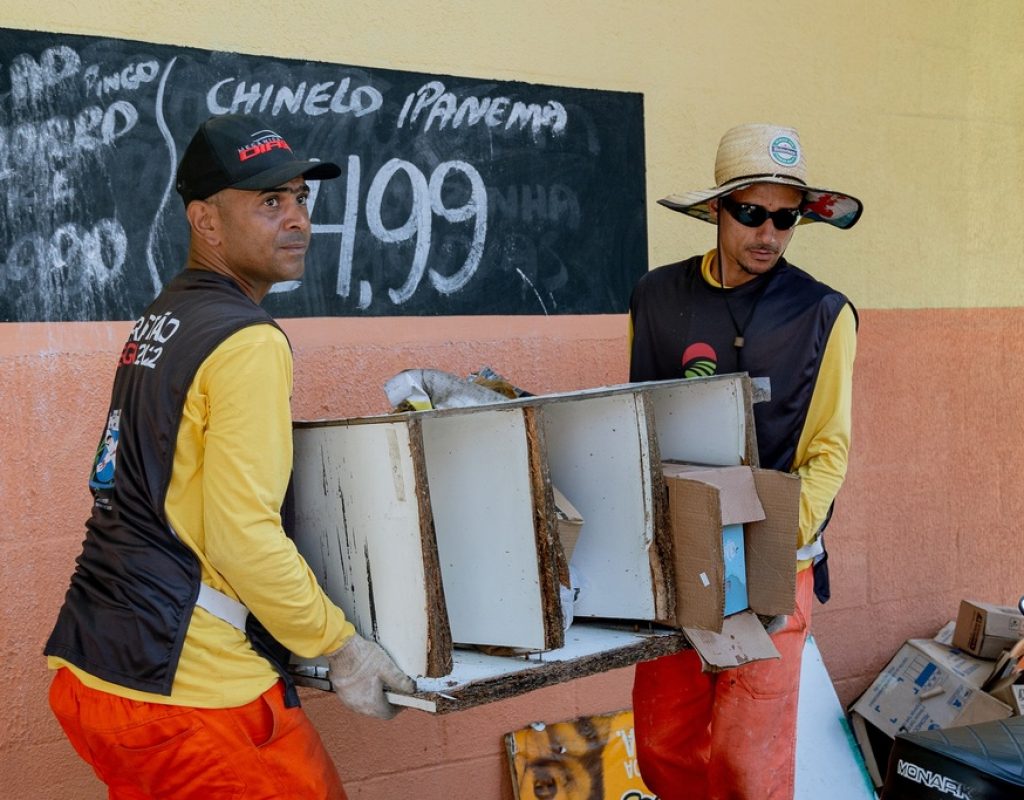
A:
(743, 308)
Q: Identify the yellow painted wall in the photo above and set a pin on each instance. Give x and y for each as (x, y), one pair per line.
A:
(917, 107)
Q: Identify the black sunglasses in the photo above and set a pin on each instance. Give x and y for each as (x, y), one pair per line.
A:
(754, 216)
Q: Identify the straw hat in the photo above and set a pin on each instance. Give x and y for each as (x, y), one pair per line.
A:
(759, 153)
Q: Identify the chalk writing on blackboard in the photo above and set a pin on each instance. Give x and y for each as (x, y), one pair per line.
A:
(458, 195)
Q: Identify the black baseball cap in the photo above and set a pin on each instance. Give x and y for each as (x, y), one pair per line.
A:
(238, 151)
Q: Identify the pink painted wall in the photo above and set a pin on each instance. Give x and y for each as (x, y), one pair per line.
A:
(931, 511)
(929, 514)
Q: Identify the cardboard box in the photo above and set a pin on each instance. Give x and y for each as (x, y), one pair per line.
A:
(703, 504)
(1013, 696)
(569, 522)
(985, 630)
(945, 633)
(926, 685)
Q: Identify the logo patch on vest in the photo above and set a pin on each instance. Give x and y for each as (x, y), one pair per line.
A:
(699, 360)
(105, 463)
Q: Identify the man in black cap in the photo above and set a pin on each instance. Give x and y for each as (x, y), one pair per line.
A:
(171, 646)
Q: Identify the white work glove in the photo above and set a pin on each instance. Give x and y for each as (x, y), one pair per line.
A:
(359, 671)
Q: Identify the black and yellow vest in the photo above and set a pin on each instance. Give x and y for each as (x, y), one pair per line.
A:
(684, 327)
(135, 584)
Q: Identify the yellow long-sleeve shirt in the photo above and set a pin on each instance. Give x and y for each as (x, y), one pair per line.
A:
(232, 463)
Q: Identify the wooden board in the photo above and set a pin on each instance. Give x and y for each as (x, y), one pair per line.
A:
(364, 525)
(599, 456)
(497, 581)
(477, 678)
(705, 421)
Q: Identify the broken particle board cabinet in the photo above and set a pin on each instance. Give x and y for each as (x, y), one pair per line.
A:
(437, 531)
(604, 452)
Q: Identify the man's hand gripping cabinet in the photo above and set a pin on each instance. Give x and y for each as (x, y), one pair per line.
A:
(359, 672)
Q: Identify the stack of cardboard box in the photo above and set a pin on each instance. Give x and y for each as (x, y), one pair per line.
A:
(967, 673)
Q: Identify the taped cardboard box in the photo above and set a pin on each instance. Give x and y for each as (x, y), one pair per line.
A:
(704, 503)
(985, 630)
(927, 685)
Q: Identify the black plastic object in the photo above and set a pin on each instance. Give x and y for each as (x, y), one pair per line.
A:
(968, 762)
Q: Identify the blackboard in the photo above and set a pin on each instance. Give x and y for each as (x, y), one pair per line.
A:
(458, 195)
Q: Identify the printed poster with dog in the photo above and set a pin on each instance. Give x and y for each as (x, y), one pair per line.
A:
(590, 758)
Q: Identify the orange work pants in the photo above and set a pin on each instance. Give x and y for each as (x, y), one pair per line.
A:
(148, 751)
(723, 736)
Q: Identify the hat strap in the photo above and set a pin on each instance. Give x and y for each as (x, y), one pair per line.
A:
(755, 178)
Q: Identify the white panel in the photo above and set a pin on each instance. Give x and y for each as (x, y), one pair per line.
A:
(703, 422)
(480, 493)
(598, 458)
(358, 526)
(581, 641)
(828, 761)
